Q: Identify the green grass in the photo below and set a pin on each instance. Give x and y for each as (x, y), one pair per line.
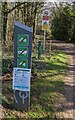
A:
(46, 89)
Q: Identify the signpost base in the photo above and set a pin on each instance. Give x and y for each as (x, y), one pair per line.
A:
(22, 100)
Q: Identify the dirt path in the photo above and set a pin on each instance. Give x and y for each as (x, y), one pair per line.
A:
(1, 114)
(66, 107)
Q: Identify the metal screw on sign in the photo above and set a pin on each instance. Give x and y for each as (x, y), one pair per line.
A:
(23, 96)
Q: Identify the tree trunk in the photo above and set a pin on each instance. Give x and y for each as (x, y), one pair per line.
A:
(73, 35)
(35, 12)
(10, 24)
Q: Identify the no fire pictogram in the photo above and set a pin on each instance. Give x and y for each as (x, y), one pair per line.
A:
(22, 63)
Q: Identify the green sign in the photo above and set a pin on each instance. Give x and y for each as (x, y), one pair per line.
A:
(22, 52)
(22, 63)
(23, 39)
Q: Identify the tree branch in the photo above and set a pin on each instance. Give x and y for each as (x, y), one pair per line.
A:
(15, 7)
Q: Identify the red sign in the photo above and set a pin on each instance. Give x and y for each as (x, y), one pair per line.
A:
(45, 17)
(45, 20)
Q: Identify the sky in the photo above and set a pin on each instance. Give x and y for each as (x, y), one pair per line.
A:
(37, 0)
(60, 0)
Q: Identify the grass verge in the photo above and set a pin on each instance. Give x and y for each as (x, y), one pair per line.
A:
(46, 88)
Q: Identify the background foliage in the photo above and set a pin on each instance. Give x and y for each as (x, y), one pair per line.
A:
(63, 23)
(62, 20)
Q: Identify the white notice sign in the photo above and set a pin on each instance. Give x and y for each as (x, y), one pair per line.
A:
(21, 79)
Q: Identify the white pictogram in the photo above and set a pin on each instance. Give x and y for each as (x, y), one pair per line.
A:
(15, 97)
(24, 64)
(22, 39)
(23, 96)
(21, 52)
(25, 52)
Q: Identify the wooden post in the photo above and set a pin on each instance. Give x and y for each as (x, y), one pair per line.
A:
(44, 40)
